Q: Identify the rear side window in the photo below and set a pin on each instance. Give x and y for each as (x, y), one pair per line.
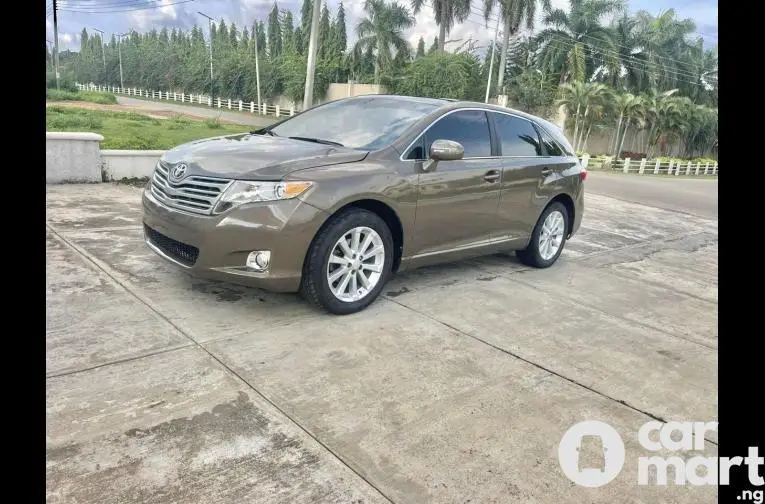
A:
(517, 136)
(550, 146)
(555, 133)
(468, 127)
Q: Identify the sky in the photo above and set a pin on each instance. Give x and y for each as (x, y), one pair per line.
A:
(120, 16)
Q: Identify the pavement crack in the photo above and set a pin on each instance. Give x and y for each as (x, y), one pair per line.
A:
(580, 302)
(539, 366)
(116, 277)
(174, 348)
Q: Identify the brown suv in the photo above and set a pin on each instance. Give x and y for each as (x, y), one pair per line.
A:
(333, 201)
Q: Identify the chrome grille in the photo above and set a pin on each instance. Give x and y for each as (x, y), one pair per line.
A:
(194, 193)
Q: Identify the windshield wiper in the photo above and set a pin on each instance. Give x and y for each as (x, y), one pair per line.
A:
(263, 131)
(317, 140)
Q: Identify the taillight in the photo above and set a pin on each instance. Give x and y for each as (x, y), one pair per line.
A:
(583, 175)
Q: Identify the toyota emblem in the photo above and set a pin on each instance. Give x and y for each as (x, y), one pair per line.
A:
(178, 171)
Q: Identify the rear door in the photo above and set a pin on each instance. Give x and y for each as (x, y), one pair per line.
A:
(457, 200)
(524, 167)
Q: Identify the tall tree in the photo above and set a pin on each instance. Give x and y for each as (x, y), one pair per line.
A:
(262, 45)
(288, 32)
(338, 30)
(233, 36)
(575, 44)
(434, 46)
(324, 32)
(513, 14)
(381, 31)
(274, 33)
(420, 49)
(306, 11)
(447, 12)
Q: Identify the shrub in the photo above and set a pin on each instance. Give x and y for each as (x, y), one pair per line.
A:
(65, 82)
(138, 142)
(97, 97)
(213, 123)
(633, 155)
(58, 121)
(60, 95)
(87, 96)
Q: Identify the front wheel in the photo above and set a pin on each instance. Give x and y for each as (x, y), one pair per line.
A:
(547, 239)
(349, 262)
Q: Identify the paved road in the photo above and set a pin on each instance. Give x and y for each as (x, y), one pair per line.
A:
(456, 386)
(225, 114)
(693, 196)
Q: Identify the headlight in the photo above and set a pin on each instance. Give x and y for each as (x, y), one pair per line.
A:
(241, 192)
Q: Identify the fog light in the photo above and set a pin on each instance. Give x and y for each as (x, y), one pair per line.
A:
(259, 259)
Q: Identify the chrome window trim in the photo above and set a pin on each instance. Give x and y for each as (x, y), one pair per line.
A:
(487, 110)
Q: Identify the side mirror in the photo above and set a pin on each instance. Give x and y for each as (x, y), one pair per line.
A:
(446, 150)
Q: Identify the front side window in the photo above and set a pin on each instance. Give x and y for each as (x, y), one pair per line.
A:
(468, 127)
(365, 123)
(517, 136)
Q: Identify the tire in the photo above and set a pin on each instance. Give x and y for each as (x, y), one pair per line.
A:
(316, 286)
(532, 255)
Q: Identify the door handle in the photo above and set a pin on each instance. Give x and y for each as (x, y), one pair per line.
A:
(546, 172)
(491, 176)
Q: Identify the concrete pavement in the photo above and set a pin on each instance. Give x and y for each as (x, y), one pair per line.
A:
(201, 112)
(455, 387)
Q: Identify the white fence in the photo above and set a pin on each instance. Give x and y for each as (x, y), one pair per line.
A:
(194, 99)
(658, 167)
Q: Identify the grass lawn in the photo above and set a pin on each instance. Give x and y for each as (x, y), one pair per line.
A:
(128, 130)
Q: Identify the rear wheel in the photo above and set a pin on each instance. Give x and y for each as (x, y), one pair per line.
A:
(547, 239)
(349, 262)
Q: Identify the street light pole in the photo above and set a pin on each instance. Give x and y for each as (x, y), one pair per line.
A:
(491, 64)
(103, 53)
(212, 87)
(55, 42)
(257, 63)
(119, 50)
(312, 43)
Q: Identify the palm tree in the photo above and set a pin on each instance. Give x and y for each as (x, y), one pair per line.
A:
(382, 30)
(629, 108)
(580, 98)
(663, 40)
(655, 105)
(575, 44)
(447, 12)
(512, 14)
(701, 66)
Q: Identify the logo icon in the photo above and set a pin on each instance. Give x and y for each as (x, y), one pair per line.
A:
(573, 455)
(178, 171)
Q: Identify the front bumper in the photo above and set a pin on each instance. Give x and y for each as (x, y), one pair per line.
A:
(216, 246)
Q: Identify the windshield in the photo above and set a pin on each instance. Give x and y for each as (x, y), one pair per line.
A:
(366, 123)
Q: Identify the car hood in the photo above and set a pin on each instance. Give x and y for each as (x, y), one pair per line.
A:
(257, 157)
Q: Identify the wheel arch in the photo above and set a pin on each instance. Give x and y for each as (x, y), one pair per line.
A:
(568, 202)
(379, 208)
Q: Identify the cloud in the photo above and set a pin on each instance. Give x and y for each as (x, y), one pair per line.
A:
(245, 12)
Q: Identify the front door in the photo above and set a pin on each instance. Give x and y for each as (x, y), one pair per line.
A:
(457, 200)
